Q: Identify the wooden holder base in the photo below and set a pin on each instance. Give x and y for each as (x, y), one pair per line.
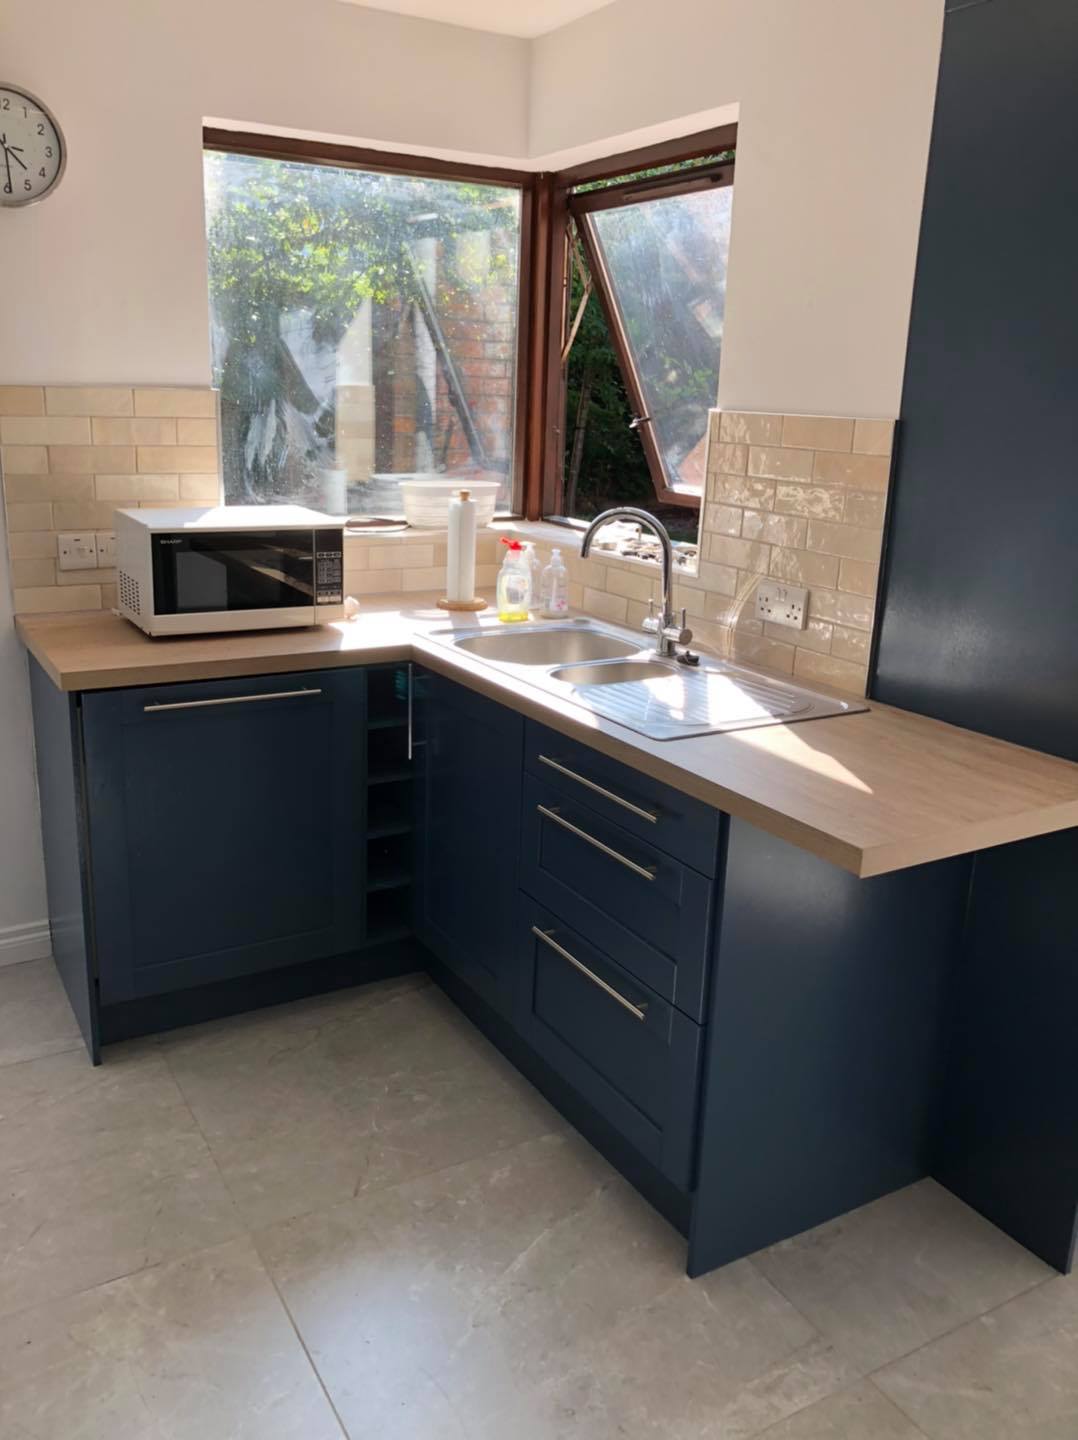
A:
(476, 604)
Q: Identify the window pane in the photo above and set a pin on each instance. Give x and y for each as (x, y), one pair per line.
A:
(603, 461)
(667, 263)
(364, 329)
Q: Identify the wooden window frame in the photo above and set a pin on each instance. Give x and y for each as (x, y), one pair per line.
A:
(423, 167)
(550, 322)
(547, 202)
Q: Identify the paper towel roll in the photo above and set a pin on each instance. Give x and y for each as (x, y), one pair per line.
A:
(460, 558)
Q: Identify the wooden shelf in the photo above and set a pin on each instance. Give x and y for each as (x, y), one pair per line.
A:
(397, 878)
(390, 777)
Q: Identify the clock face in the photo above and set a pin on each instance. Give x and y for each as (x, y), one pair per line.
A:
(32, 151)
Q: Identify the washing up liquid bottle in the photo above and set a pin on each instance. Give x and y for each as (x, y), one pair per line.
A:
(554, 588)
(514, 583)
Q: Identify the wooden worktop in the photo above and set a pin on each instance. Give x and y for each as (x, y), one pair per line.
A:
(871, 792)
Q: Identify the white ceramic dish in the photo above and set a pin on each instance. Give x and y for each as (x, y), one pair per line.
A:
(426, 502)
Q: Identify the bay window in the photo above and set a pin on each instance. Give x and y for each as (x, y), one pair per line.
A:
(376, 317)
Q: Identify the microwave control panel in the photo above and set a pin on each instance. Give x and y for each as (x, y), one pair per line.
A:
(329, 566)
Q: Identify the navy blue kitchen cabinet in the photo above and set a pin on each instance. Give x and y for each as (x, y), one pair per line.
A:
(470, 759)
(226, 827)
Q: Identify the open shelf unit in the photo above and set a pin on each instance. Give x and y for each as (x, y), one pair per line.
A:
(388, 862)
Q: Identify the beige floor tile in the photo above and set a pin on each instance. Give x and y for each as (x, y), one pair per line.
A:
(860, 1413)
(885, 1279)
(310, 1105)
(533, 1293)
(198, 1349)
(35, 1018)
(102, 1173)
(1010, 1375)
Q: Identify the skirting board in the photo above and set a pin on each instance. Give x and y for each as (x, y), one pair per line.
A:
(25, 942)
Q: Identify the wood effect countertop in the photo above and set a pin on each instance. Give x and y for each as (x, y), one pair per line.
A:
(872, 792)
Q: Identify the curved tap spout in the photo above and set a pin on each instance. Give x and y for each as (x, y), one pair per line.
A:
(667, 634)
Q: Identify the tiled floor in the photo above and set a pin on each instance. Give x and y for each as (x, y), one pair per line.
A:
(349, 1217)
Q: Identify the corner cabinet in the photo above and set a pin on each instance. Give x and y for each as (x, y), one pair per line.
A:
(224, 824)
(469, 756)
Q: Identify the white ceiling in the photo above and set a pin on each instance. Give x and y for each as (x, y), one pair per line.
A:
(526, 18)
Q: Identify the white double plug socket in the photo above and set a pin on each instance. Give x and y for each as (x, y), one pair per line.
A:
(86, 550)
(781, 604)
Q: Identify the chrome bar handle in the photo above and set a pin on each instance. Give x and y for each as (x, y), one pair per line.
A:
(599, 789)
(232, 700)
(546, 936)
(648, 872)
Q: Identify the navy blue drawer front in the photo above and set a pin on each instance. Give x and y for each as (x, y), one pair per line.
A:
(644, 907)
(629, 1054)
(645, 807)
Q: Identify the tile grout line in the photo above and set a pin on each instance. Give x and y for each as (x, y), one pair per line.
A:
(871, 1375)
(249, 1234)
(299, 1336)
(906, 1354)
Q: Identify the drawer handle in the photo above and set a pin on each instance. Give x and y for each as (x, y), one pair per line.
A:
(599, 789)
(647, 871)
(231, 700)
(546, 936)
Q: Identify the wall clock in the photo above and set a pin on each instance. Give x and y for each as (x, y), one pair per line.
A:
(32, 148)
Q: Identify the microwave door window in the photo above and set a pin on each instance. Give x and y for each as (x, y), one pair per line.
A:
(261, 570)
(202, 581)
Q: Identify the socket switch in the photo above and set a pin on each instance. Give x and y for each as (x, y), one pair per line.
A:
(106, 549)
(781, 604)
(77, 551)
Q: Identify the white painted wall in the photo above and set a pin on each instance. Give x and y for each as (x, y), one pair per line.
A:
(835, 100)
(23, 923)
(111, 269)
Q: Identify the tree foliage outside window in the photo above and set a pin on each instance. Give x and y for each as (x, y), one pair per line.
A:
(363, 327)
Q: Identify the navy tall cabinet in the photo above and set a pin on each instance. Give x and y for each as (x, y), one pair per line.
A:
(979, 619)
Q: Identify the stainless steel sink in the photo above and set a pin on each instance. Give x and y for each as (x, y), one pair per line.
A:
(613, 672)
(546, 645)
(622, 679)
(663, 699)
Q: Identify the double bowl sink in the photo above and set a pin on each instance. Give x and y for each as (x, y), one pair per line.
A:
(623, 679)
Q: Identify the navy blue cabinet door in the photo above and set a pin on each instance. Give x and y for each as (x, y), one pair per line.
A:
(226, 824)
(471, 764)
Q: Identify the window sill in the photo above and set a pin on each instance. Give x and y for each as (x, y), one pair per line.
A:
(569, 539)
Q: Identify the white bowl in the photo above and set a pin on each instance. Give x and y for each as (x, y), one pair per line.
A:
(426, 502)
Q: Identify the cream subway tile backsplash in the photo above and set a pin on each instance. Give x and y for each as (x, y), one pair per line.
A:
(89, 400)
(92, 459)
(24, 459)
(22, 400)
(42, 598)
(128, 490)
(858, 472)
(749, 428)
(192, 432)
(187, 459)
(199, 489)
(45, 430)
(71, 455)
(801, 498)
(194, 404)
(816, 432)
(124, 430)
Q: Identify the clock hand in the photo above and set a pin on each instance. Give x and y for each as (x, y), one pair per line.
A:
(15, 151)
(7, 162)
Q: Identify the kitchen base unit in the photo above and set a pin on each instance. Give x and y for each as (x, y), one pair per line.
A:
(215, 846)
(756, 1038)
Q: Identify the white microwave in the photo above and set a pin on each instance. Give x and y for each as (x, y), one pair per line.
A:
(235, 567)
